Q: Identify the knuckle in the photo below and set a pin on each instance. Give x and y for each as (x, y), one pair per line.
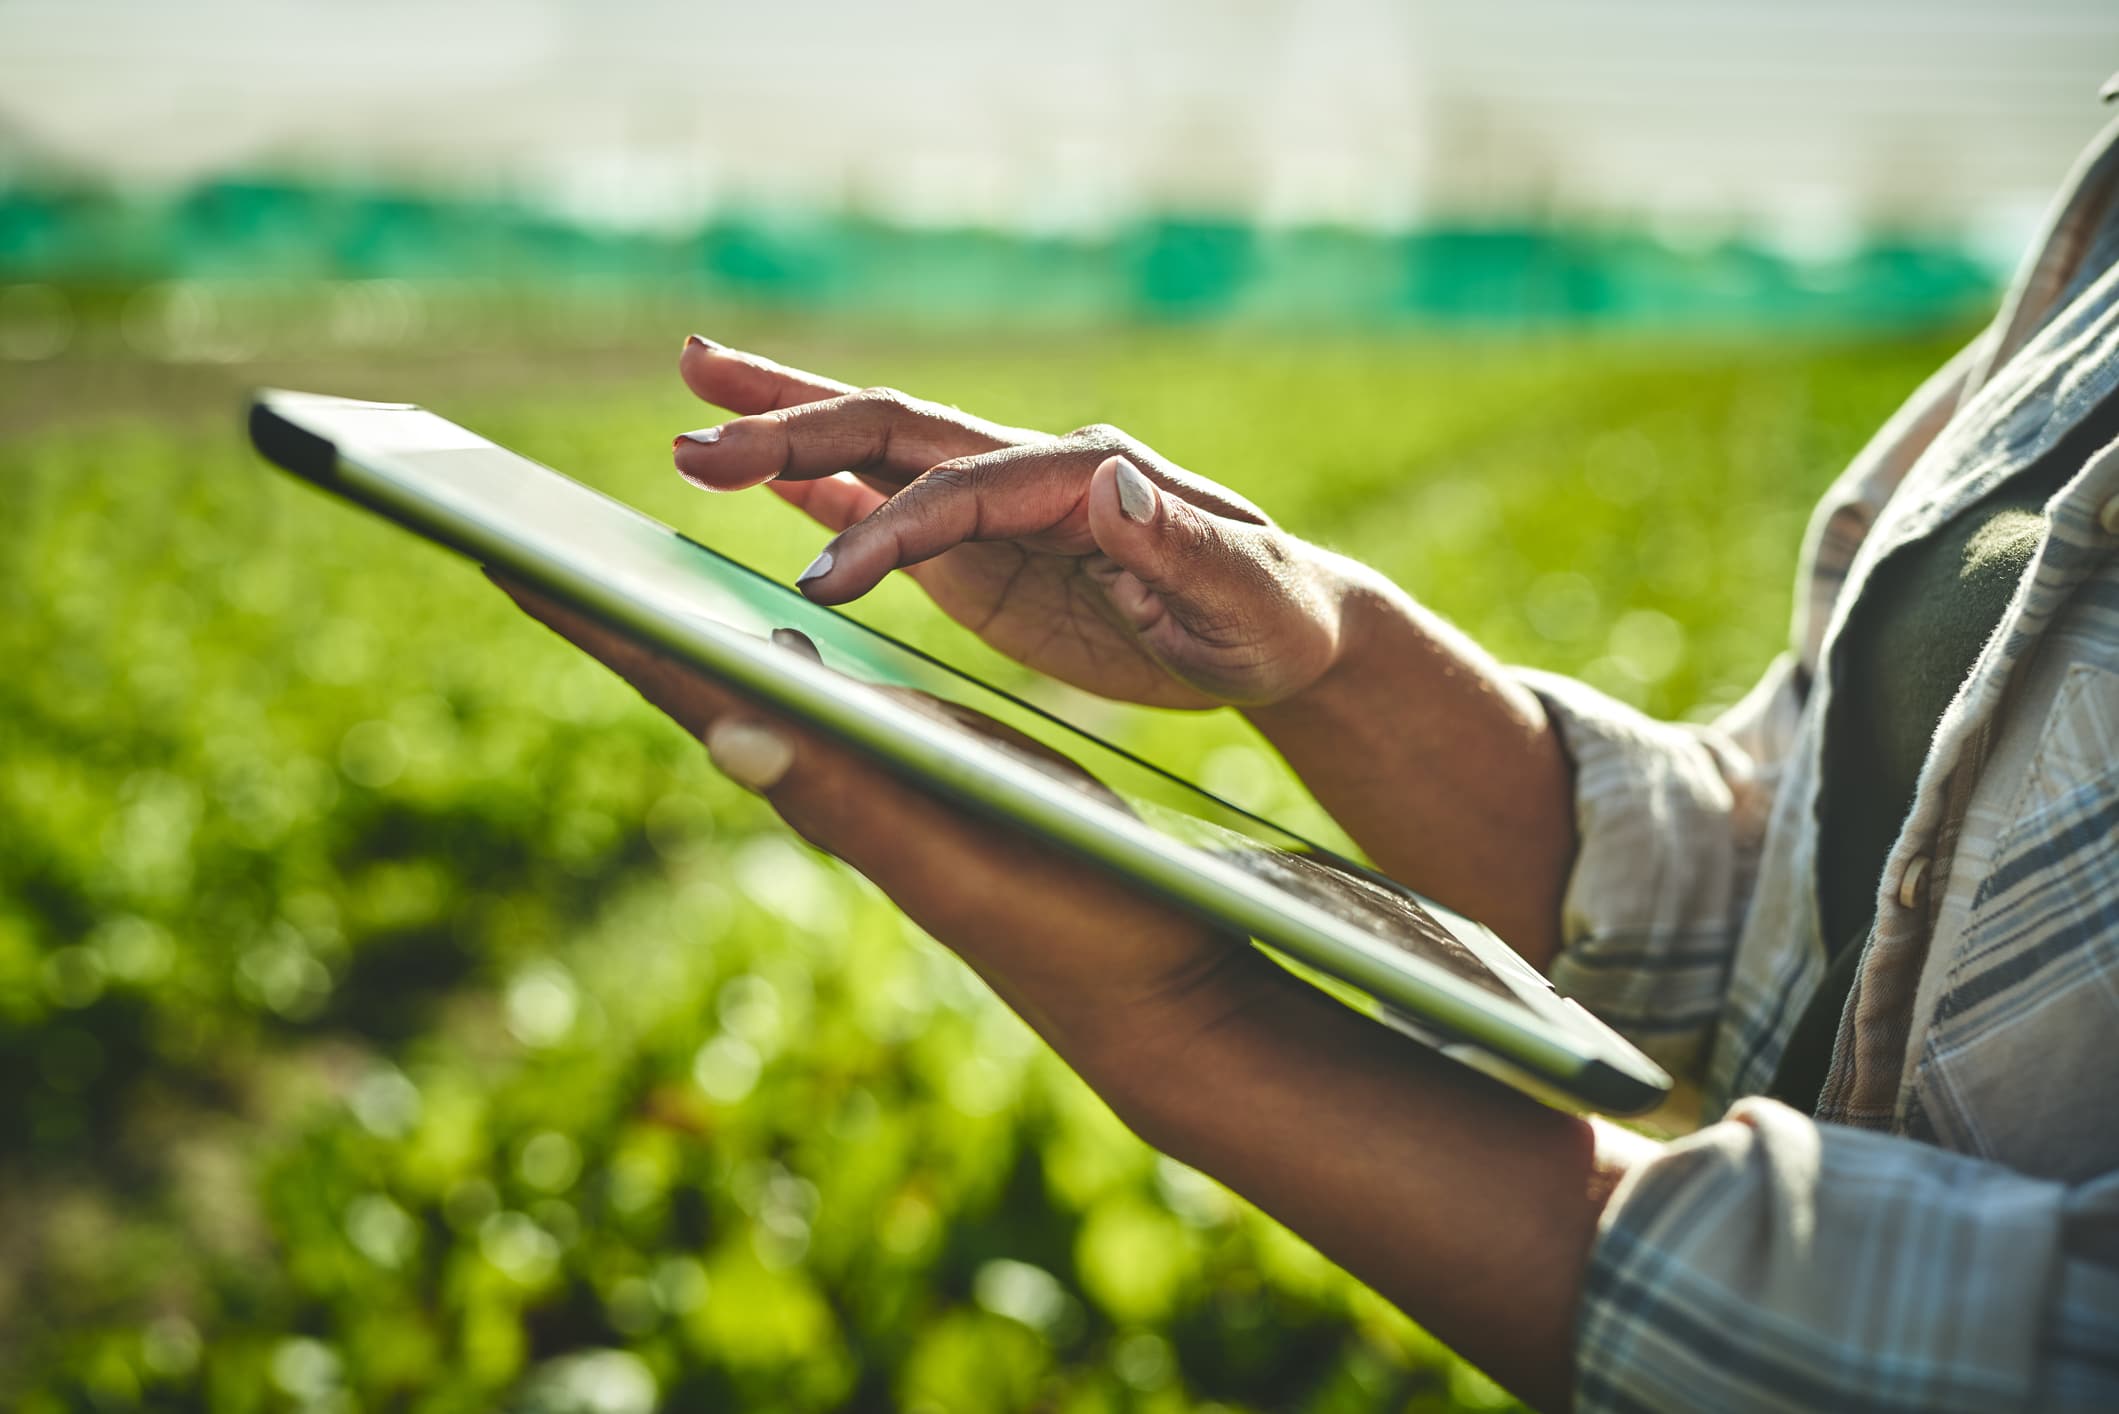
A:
(1103, 437)
(935, 488)
(928, 500)
(888, 399)
(1204, 538)
(951, 476)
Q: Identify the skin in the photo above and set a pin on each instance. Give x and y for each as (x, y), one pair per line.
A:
(1440, 765)
(1470, 1207)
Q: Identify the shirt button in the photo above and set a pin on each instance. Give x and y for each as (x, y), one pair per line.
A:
(2108, 516)
(1913, 884)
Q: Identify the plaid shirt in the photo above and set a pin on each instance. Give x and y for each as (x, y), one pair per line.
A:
(1944, 1232)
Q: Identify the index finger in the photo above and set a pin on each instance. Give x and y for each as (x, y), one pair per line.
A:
(879, 434)
(747, 382)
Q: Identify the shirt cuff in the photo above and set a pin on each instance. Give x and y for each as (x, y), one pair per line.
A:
(1650, 916)
(1770, 1261)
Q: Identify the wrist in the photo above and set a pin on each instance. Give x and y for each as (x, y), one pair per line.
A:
(1440, 763)
(1362, 607)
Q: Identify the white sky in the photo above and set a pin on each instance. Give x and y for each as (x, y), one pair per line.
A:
(1806, 116)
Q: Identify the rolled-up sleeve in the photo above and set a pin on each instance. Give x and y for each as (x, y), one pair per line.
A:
(1772, 1262)
(1670, 819)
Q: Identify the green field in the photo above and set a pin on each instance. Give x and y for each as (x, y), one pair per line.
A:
(399, 1015)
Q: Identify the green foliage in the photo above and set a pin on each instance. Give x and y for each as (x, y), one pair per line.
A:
(399, 1015)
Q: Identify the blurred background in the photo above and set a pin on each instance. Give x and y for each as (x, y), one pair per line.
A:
(400, 1016)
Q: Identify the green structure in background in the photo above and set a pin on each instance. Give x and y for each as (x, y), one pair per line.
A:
(1165, 268)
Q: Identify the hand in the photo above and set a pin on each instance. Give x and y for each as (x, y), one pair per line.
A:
(1087, 556)
(1471, 1208)
(1439, 762)
(1116, 982)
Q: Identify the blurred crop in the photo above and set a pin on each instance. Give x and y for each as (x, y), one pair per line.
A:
(397, 1014)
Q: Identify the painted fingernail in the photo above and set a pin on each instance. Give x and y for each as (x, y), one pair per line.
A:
(705, 436)
(753, 756)
(818, 568)
(1136, 493)
(699, 341)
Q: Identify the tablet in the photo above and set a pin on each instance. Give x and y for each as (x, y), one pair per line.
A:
(1430, 972)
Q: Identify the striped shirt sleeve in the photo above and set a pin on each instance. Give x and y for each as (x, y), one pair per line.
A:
(1669, 821)
(1773, 1262)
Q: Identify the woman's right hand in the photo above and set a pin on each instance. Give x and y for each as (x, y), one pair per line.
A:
(1086, 556)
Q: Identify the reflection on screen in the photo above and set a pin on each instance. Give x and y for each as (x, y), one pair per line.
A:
(1367, 906)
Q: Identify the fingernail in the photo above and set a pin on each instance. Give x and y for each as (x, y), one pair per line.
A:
(700, 341)
(1136, 493)
(818, 568)
(706, 436)
(753, 756)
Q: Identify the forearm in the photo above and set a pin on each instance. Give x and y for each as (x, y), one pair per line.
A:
(1468, 1206)
(1440, 766)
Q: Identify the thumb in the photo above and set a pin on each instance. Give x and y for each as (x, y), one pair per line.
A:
(1177, 571)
